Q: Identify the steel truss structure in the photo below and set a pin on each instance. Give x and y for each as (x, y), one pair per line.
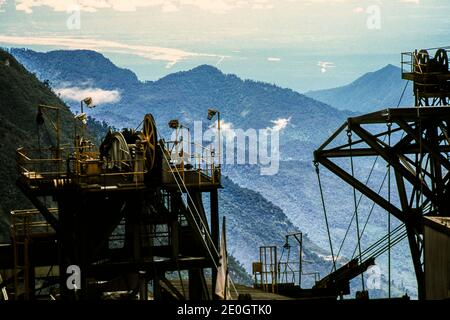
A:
(419, 159)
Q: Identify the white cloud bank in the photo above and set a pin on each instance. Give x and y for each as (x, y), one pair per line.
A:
(169, 55)
(166, 6)
(325, 65)
(280, 123)
(212, 6)
(226, 128)
(99, 96)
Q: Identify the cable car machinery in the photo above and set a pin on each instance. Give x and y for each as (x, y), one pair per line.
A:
(125, 215)
(415, 146)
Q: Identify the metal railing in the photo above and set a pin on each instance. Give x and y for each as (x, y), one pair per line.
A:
(76, 165)
(290, 272)
(198, 166)
(83, 164)
(24, 225)
(411, 61)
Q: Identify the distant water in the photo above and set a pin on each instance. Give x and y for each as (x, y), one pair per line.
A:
(289, 68)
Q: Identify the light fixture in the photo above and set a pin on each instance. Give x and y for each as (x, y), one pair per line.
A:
(82, 117)
(212, 113)
(174, 124)
(88, 102)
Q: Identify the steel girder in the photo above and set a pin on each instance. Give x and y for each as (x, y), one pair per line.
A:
(418, 156)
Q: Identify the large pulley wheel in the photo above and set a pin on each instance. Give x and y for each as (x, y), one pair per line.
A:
(149, 136)
(441, 59)
(118, 153)
(423, 58)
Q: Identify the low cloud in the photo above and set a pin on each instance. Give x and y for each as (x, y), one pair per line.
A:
(212, 6)
(226, 129)
(273, 59)
(325, 65)
(280, 123)
(224, 126)
(166, 6)
(169, 55)
(99, 96)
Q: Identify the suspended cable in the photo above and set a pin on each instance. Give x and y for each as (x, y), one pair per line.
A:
(357, 203)
(403, 93)
(380, 243)
(389, 214)
(373, 205)
(370, 213)
(368, 179)
(349, 135)
(395, 240)
(190, 210)
(198, 214)
(316, 164)
(353, 216)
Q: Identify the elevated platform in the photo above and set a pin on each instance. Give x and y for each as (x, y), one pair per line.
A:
(47, 176)
(428, 70)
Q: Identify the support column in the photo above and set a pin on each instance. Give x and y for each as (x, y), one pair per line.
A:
(31, 273)
(416, 254)
(214, 232)
(143, 290)
(197, 289)
(64, 246)
(157, 287)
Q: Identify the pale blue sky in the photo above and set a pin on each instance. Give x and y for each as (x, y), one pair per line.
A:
(279, 41)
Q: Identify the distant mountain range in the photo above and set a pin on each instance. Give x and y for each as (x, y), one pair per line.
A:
(64, 67)
(372, 91)
(243, 104)
(21, 92)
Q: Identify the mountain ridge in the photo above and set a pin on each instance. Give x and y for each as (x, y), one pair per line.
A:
(20, 92)
(374, 90)
(94, 63)
(243, 103)
(248, 104)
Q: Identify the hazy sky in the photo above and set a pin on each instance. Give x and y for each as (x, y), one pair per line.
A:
(280, 41)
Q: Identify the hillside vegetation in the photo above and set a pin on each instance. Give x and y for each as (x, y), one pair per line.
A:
(20, 94)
